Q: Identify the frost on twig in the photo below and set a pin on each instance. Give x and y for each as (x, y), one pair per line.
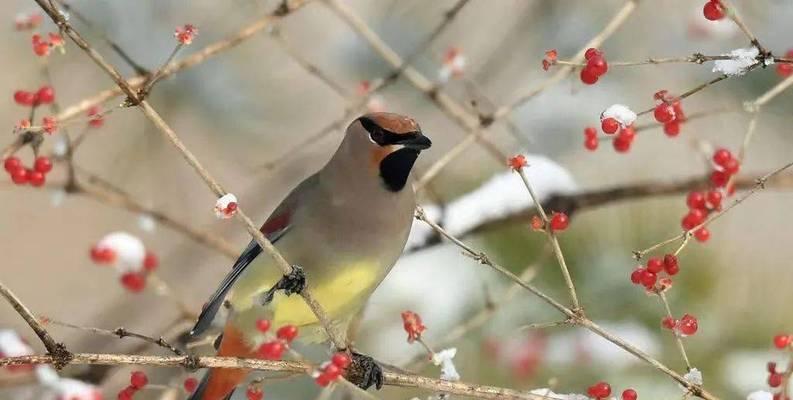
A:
(740, 62)
(694, 376)
(445, 358)
(496, 198)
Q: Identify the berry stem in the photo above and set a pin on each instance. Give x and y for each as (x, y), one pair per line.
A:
(678, 339)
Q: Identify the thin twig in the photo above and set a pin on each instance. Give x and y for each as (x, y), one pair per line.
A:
(678, 339)
(118, 332)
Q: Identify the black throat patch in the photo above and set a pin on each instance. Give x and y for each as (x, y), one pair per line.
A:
(395, 168)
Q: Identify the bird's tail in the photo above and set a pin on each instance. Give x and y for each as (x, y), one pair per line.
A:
(219, 383)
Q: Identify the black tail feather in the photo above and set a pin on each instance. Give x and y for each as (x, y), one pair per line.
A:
(198, 394)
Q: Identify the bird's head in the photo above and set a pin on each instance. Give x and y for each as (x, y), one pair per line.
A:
(392, 143)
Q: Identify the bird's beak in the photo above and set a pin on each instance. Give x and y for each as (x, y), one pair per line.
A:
(416, 141)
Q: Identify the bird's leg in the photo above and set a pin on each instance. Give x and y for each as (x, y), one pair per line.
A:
(364, 372)
(291, 283)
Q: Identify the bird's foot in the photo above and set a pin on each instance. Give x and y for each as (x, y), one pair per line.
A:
(291, 283)
(364, 372)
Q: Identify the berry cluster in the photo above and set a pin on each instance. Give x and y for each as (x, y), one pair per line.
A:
(42, 47)
(669, 112)
(611, 125)
(44, 95)
(596, 66)
(776, 378)
(29, 21)
(590, 138)
(713, 10)
(35, 176)
(254, 392)
(785, 69)
(134, 281)
(687, 325)
(185, 34)
(274, 349)
(331, 371)
(647, 276)
(700, 204)
(558, 222)
(602, 390)
(95, 117)
(137, 381)
(413, 325)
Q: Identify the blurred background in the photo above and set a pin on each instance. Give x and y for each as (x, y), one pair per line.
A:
(249, 113)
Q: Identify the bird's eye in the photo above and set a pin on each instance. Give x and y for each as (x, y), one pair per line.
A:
(376, 136)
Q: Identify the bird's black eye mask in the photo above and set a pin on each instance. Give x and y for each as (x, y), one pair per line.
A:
(384, 137)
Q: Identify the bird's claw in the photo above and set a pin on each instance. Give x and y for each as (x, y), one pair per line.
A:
(291, 283)
(364, 372)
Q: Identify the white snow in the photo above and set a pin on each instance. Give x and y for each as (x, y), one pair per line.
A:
(445, 358)
(221, 206)
(147, 223)
(75, 390)
(624, 115)
(549, 394)
(130, 251)
(740, 60)
(760, 395)
(11, 345)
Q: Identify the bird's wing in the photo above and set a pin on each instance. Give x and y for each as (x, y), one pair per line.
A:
(274, 228)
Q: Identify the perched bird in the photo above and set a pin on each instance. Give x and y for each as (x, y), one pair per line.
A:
(343, 228)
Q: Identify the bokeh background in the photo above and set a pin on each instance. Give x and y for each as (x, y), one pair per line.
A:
(250, 105)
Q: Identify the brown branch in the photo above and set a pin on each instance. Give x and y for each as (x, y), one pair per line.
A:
(191, 159)
(190, 363)
(58, 353)
(119, 333)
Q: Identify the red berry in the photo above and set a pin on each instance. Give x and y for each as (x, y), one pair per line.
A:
(49, 124)
(719, 178)
(648, 279)
(592, 52)
(133, 282)
(517, 162)
(138, 379)
(12, 163)
(150, 261)
(721, 156)
(591, 143)
(590, 132)
(263, 325)
(771, 367)
(254, 393)
(102, 255)
(609, 125)
(672, 128)
(775, 380)
(41, 48)
(688, 325)
(272, 350)
(45, 95)
(190, 384)
(702, 235)
(696, 201)
(322, 380)
(341, 360)
(714, 199)
(627, 133)
(668, 322)
(732, 166)
(35, 178)
(42, 164)
(559, 221)
(597, 65)
(287, 332)
(784, 70)
(671, 265)
(588, 76)
(713, 10)
(636, 275)
(655, 265)
(622, 143)
(629, 394)
(781, 341)
(693, 218)
(127, 393)
(24, 98)
(332, 371)
(600, 390)
(19, 175)
(664, 113)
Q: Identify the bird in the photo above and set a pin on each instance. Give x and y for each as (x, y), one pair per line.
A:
(342, 229)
